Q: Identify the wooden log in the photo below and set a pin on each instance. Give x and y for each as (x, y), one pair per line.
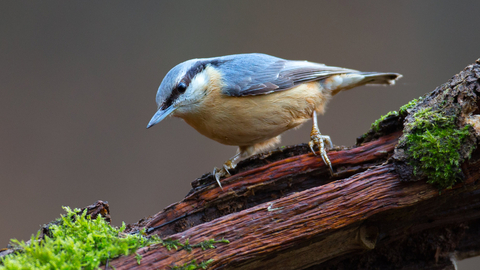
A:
(309, 227)
(285, 176)
(282, 210)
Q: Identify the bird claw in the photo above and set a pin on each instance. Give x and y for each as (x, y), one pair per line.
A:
(317, 139)
(218, 174)
(223, 172)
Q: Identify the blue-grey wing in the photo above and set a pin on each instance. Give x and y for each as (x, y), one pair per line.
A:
(256, 74)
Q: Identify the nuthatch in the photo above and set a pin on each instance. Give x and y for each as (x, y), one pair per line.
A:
(248, 100)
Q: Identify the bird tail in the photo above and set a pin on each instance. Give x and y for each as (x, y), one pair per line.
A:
(379, 78)
(348, 81)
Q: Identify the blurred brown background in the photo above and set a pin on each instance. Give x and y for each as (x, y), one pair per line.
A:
(78, 83)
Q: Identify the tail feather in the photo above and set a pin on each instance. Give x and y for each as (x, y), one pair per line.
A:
(379, 78)
(337, 83)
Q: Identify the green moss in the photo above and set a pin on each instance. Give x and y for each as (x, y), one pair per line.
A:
(139, 258)
(433, 146)
(172, 244)
(402, 112)
(376, 125)
(204, 245)
(432, 142)
(78, 242)
(193, 265)
(207, 244)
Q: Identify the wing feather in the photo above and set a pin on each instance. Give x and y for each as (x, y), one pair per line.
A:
(257, 74)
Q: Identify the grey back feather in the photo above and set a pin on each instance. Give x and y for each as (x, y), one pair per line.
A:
(256, 74)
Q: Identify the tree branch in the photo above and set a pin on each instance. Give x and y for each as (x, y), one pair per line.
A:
(283, 210)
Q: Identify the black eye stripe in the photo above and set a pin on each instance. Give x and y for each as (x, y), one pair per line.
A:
(176, 92)
(194, 70)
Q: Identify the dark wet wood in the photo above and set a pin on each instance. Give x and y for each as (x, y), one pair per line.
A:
(309, 227)
(255, 186)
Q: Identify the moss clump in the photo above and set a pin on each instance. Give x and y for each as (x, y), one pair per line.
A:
(401, 112)
(77, 242)
(376, 125)
(433, 145)
(432, 141)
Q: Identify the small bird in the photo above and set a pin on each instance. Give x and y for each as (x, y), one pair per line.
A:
(248, 100)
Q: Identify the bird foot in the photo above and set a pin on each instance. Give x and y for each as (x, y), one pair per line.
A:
(223, 172)
(317, 139)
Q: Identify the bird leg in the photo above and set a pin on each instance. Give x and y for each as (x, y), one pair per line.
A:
(318, 139)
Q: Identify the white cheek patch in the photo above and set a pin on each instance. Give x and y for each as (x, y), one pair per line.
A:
(195, 91)
(198, 84)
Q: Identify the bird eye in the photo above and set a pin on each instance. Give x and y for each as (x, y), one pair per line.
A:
(181, 87)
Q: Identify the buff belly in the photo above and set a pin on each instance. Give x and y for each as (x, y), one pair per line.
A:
(249, 120)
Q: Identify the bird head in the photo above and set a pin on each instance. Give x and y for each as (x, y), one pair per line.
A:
(183, 86)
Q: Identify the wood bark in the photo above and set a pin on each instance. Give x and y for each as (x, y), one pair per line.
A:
(283, 210)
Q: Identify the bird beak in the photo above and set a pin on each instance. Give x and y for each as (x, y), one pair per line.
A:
(160, 115)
